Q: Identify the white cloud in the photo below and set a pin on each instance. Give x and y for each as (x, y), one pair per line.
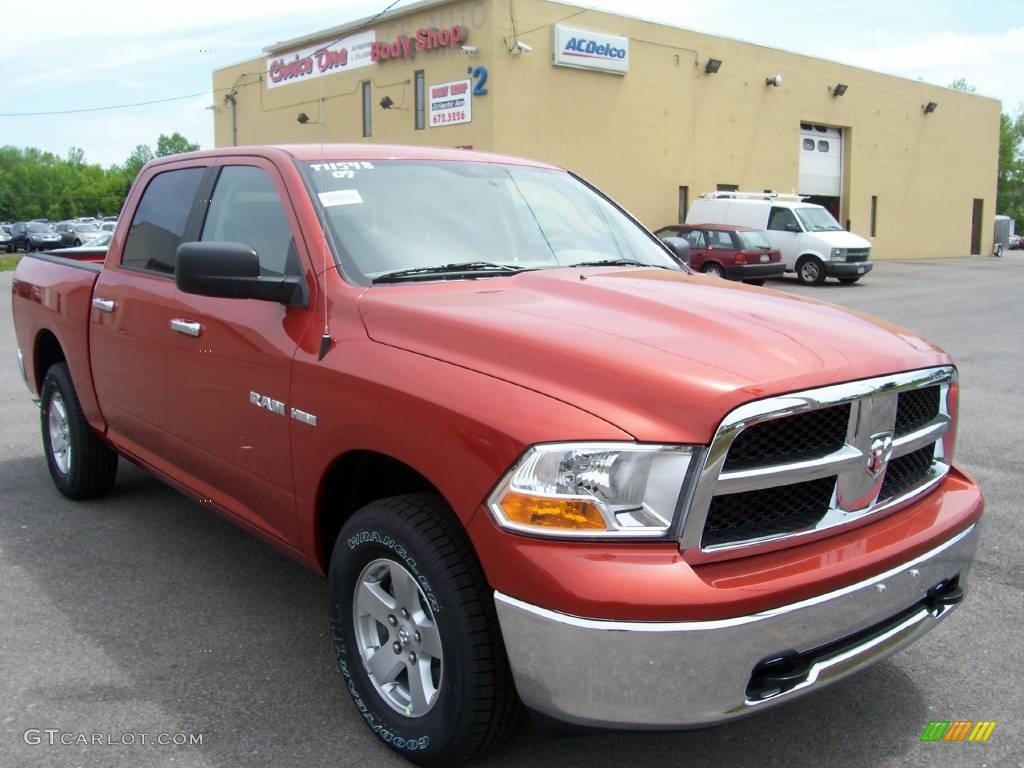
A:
(993, 63)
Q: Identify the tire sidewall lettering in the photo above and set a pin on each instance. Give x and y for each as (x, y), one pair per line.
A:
(388, 542)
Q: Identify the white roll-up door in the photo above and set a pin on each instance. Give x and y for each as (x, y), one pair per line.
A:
(821, 160)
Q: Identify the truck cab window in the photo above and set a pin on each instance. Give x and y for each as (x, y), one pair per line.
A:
(782, 220)
(159, 223)
(246, 208)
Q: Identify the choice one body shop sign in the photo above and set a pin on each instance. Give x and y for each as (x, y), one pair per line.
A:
(321, 59)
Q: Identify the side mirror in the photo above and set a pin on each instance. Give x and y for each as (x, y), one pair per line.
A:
(680, 248)
(793, 228)
(232, 271)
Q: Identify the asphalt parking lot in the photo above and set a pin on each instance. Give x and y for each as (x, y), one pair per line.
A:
(144, 613)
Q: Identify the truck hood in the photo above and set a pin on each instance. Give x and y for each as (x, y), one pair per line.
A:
(660, 354)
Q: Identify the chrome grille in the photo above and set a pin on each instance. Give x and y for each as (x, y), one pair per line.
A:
(799, 464)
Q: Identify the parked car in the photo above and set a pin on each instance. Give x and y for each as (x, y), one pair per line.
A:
(725, 250)
(33, 235)
(811, 241)
(94, 250)
(74, 233)
(552, 468)
(108, 226)
(5, 240)
(1016, 242)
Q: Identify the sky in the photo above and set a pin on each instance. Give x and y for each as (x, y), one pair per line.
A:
(64, 54)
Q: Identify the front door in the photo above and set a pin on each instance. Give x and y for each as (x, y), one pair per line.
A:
(229, 360)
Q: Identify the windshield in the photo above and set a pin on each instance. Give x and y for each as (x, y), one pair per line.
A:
(39, 228)
(752, 240)
(817, 219)
(388, 216)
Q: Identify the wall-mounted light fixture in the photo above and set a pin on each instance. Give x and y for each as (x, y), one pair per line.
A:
(303, 118)
(930, 107)
(387, 103)
(775, 80)
(712, 66)
(838, 89)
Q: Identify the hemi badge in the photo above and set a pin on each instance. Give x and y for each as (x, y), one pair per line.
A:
(305, 418)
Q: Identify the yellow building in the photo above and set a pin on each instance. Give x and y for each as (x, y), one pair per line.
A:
(653, 115)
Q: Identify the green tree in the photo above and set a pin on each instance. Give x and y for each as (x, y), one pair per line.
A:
(173, 145)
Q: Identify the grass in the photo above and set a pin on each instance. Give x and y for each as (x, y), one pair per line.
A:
(8, 261)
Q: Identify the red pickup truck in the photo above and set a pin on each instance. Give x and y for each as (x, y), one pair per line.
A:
(539, 461)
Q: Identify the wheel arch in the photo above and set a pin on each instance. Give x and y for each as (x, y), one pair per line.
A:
(46, 352)
(353, 480)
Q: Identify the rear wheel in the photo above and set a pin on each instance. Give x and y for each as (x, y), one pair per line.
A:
(810, 271)
(713, 269)
(82, 466)
(415, 632)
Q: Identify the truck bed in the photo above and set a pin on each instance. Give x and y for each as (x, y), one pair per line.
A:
(51, 299)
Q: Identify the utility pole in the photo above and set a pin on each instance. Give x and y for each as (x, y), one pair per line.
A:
(229, 98)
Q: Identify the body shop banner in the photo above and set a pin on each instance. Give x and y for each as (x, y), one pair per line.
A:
(320, 59)
(451, 103)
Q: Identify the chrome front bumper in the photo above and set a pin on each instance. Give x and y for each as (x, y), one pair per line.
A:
(650, 675)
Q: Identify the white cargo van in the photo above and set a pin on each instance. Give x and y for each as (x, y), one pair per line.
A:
(812, 243)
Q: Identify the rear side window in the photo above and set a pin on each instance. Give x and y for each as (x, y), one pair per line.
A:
(246, 208)
(695, 238)
(719, 239)
(781, 218)
(158, 227)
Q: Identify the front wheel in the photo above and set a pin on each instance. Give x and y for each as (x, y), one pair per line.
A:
(82, 466)
(810, 271)
(416, 634)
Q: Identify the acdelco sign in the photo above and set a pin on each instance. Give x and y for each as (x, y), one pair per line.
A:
(591, 50)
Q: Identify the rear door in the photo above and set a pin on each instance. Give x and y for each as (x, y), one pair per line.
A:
(698, 247)
(229, 360)
(131, 304)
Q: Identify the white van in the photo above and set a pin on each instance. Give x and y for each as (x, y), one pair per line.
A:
(811, 242)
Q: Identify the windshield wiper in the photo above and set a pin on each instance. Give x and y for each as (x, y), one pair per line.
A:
(618, 263)
(472, 268)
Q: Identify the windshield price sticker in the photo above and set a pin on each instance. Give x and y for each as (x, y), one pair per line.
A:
(340, 197)
(451, 103)
(343, 170)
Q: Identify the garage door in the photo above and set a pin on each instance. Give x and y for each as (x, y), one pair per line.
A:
(821, 160)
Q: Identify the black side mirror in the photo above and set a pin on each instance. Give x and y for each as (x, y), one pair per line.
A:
(232, 271)
(680, 248)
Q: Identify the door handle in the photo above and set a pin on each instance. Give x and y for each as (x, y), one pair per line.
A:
(186, 327)
(103, 305)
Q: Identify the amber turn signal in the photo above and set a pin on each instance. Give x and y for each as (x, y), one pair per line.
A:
(546, 512)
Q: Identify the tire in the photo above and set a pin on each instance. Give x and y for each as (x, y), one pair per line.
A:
(810, 271)
(77, 243)
(713, 269)
(82, 466)
(469, 702)
(848, 280)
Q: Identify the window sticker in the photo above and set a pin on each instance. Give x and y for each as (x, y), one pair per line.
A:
(340, 197)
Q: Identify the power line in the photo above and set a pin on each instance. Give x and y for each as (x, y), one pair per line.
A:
(103, 109)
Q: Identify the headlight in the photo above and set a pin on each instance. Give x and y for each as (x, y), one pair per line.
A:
(594, 490)
(838, 254)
